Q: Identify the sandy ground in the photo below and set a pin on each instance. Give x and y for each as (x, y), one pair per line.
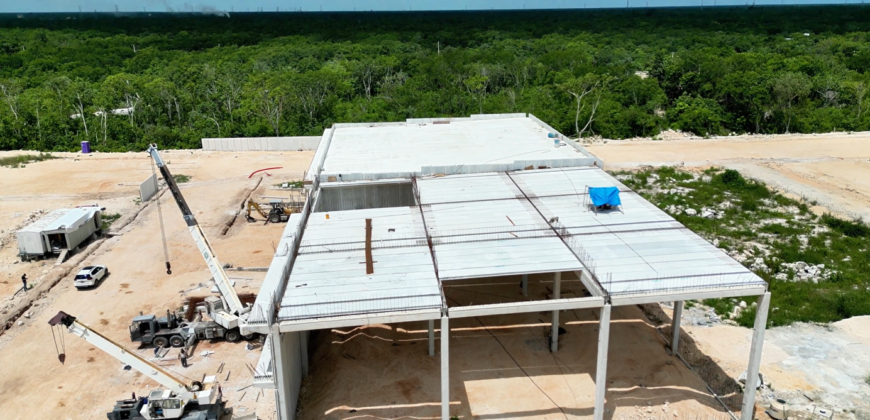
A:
(86, 386)
(806, 364)
(832, 169)
(501, 367)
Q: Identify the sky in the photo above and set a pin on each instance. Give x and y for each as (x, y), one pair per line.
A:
(42, 6)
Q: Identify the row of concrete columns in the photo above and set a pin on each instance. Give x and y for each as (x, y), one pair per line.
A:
(286, 402)
(603, 342)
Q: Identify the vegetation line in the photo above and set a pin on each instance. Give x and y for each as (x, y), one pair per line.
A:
(123, 82)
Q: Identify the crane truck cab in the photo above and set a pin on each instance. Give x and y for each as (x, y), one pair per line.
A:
(171, 331)
(162, 332)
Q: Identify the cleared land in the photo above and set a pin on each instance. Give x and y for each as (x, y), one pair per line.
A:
(831, 169)
(34, 383)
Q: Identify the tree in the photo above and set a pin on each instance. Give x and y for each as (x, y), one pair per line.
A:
(586, 91)
(788, 88)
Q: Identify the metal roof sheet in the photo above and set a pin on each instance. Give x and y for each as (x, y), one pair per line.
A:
(61, 219)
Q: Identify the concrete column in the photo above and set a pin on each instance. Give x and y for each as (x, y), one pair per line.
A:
(748, 411)
(431, 337)
(601, 369)
(303, 351)
(445, 369)
(280, 371)
(675, 326)
(554, 335)
(525, 285)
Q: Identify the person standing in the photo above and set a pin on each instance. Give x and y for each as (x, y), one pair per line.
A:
(24, 280)
(182, 355)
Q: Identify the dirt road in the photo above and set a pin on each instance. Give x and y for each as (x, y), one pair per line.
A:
(831, 169)
(86, 386)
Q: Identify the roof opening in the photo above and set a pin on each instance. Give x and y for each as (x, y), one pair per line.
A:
(361, 197)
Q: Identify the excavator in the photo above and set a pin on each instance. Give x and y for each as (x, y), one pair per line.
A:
(227, 309)
(278, 213)
(178, 400)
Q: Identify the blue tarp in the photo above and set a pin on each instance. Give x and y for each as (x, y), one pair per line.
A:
(604, 195)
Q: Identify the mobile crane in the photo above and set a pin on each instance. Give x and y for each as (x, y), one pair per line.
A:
(226, 310)
(179, 400)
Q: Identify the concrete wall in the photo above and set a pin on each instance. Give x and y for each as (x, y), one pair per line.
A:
(288, 373)
(242, 144)
(148, 188)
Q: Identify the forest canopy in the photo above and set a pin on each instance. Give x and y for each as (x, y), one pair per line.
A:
(123, 81)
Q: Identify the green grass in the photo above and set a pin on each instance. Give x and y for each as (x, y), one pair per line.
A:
(21, 160)
(181, 178)
(758, 218)
(867, 380)
(292, 184)
(108, 219)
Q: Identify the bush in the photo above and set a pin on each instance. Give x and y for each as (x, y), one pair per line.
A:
(108, 219)
(851, 229)
(732, 179)
(181, 178)
(853, 304)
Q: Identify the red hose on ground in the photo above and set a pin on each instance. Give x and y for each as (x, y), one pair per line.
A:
(264, 169)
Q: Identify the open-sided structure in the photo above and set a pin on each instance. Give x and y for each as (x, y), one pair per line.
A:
(399, 210)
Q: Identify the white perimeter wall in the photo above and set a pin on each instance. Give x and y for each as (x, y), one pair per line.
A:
(288, 373)
(148, 188)
(242, 144)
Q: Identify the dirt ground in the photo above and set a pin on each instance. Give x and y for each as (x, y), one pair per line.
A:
(831, 169)
(501, 366)
(807, 365)
(34, 384)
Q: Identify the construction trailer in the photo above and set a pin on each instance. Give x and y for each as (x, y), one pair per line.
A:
(399, 212)
(59, 231)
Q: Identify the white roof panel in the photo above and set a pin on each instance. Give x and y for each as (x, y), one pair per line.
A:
(329, 275)
(407, 147)
(67, 219)
(489, 225)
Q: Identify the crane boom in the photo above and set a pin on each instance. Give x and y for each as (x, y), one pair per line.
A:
(114, 349)
(234, 304)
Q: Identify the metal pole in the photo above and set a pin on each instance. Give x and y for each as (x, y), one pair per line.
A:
(303, 348)
(445, 369)
(554, 335)
(601, 369)
(675, 326)
(431, 337)
(748, 411)
(525, 284)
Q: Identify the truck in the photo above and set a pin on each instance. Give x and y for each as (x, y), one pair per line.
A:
(177, 400)
(171, 330)
(227, 309)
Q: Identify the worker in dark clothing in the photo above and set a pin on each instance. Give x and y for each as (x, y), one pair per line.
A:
(24, 280)
(182, 355)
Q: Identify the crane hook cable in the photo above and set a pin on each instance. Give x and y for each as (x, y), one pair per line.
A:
(160, 217)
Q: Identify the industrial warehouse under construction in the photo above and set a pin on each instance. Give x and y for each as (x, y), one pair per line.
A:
(400, 213)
